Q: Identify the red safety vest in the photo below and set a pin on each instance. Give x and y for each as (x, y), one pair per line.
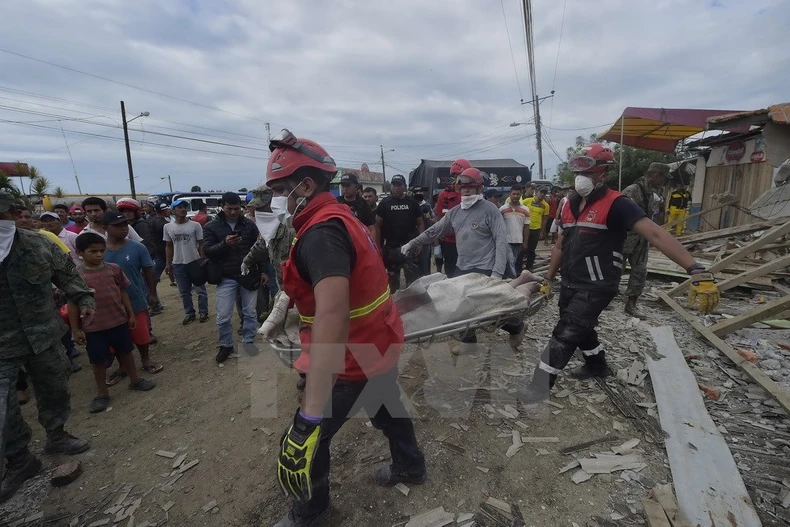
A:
(375, 337)
(592, 256)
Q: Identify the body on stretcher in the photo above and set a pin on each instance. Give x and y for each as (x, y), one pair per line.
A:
(432, 308)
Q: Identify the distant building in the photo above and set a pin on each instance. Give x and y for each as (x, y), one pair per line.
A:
(365, 176)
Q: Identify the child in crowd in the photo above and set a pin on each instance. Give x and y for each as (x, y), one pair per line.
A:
(109, 331)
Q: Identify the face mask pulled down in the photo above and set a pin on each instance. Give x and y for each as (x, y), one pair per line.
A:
(280, 210)
(468, 201)
(7, 231)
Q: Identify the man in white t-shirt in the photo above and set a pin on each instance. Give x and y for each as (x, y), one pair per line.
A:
(517, 225)
(184, 245)
(50, 222)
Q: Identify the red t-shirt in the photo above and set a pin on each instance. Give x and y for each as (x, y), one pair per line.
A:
(553, 201)
(107, 283)
(201, 218)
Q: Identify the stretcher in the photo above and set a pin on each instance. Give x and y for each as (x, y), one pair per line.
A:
(289, 353)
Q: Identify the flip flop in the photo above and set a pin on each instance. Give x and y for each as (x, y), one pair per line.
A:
(99, 404)
(153, 367)
(142, 385)
(115, 377)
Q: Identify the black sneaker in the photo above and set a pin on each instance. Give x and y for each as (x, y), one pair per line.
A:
(203, 318)
(20, 468)
(189, 319)
(384, 477)
(223, 353)
(582, 373)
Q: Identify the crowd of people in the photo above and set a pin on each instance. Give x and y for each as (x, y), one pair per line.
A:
(96, 268)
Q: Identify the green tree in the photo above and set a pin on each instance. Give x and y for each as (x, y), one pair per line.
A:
(243, 189)
(59, 192)
(6, 182)
(386, 187)
(39, 186)
(195, 188)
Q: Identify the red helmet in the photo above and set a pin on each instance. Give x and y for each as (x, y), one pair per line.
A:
(594, 159)
(290, 153)
(470, 178)
(128, 204)
(459, 165)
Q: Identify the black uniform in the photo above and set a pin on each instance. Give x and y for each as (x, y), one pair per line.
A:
(592, 264)
(399, 225)
(361, 210)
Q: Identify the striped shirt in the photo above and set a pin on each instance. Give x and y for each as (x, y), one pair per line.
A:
(107, 281)
(515, 219)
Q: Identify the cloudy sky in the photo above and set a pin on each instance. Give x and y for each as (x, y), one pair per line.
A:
(430, 80)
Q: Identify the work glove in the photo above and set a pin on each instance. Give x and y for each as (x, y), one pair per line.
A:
(245, 269)
(406, 249)
(704, 290)
(297, 451)
(545, 288)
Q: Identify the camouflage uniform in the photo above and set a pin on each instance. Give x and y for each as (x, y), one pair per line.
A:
(31, 330)
(635, 248)
(278, 251)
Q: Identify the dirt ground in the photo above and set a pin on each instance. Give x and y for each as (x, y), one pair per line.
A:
(229, 417)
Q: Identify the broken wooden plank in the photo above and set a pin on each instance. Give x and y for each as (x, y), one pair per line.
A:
(663, 495)
(737, 256)
(165, 453)
(746, 276)
(755, 314)
(433, 518)
(654, 513)
(756, 374)
(584, 446)
(670, 224)
(709, 465)
(727, 232)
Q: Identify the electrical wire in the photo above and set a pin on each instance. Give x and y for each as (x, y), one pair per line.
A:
(557, 62)
(168, 96)
(510, 45)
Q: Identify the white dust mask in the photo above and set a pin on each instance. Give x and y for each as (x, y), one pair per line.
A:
(7, 231)
(468, 201)
(583, 185)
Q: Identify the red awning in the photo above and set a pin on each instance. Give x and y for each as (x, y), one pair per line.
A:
(660, 128)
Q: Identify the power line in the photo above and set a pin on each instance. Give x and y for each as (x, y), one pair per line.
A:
(510, 44)
(557, 63)
(173, 97)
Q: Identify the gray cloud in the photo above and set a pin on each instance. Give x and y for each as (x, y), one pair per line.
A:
(431, 79)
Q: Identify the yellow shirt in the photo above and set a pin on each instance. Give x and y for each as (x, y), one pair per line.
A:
(54, 239)
(536, 212)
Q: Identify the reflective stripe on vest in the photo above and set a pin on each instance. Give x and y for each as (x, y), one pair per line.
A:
(358, 312)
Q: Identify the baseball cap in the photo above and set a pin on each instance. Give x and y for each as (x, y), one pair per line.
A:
(50, 215)
(76, 208)
(113, 218)
(162, 206)
(398, 179)
(351, 179)
(177, 202)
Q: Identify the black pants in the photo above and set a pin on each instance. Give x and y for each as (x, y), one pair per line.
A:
(450, 255)
(381, 401)
(470, 337)
(394, 261)
(579, 312)
(532, 244)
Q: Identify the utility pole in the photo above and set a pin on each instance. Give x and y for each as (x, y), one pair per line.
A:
(268, 134)
(383, 171)
(538, 134)
(169, 181)
(128, 151)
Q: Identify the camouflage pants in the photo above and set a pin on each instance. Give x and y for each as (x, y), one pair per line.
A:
(49, 373)
(635, 253)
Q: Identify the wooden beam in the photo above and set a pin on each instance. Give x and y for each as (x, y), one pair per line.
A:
(654, 512)
(723, 233)
(756, 374)
(670, 224)
(762, 241)
(710, 490)
(746, 276)
(764, 312)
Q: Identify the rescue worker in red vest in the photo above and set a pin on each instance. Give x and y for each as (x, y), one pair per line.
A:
(594, 223)
(449, 198)
(351, 333)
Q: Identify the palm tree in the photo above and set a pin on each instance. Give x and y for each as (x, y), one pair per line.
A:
(59, 192)
(39, 185)
(7, 183)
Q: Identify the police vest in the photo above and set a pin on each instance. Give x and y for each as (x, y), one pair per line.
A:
(592, 256)
(375, 337)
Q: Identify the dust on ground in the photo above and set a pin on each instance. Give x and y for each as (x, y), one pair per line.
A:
(230, 417)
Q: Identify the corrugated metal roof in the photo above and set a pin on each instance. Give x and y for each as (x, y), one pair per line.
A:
(778, 113)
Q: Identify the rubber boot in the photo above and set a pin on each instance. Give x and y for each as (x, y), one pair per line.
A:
(61, 442)
(594, 366)
(21, 468)
(632, 309)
